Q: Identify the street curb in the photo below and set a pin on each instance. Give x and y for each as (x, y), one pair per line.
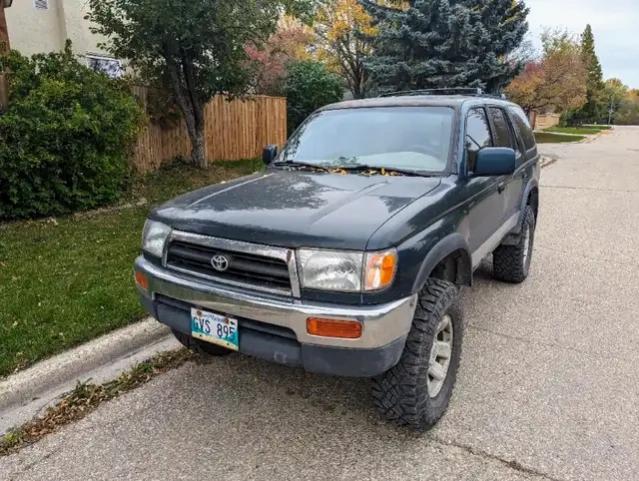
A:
(25, 386)
(547, 161)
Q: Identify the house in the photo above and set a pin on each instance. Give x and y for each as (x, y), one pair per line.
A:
(41, 26)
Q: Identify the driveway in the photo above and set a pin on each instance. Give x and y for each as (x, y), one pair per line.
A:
(548, 388)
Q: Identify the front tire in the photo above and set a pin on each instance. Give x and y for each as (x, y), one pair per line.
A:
(511, 263)
(200, 347)
(417, 391)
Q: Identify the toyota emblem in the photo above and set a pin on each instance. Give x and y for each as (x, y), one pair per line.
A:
(220, 263)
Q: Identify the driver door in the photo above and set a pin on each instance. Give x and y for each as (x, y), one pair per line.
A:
(486, 205)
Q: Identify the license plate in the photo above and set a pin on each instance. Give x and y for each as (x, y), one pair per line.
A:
(215, 328)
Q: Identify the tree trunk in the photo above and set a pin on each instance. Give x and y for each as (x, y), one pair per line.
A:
(195, 128)
(198, 153)
(193, 116)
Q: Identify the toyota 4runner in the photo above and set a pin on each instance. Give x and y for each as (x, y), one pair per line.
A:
(347, 254)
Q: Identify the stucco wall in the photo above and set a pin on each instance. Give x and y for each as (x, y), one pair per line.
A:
(32, 30)
(77, 28)
(38, 31)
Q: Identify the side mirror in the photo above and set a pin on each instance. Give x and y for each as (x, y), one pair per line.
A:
(269, 153)
(495, 161)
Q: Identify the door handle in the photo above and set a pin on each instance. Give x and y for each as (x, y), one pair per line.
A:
(501, 187)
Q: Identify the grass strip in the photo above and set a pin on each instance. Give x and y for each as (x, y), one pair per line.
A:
(86, 397)
(551, 138)
(582, 130)
(68, 280)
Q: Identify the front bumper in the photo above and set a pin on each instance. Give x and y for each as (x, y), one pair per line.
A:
(274, 328)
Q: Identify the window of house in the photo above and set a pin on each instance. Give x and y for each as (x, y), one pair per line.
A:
(111, 67)
(41, 4)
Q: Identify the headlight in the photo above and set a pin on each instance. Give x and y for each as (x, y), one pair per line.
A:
(331, 270)
(345, 271)
(154, 237)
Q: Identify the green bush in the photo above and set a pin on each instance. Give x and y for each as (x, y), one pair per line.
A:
(64, 138)
(309, 86)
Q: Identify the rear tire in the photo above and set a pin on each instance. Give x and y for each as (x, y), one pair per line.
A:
(200, 347)
(511, 263)
(417, 391)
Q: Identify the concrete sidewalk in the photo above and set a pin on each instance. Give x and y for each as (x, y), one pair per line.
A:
(29, 392)
(548, 387)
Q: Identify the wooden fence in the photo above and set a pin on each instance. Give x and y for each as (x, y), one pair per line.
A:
(546, 121)
(237, 129)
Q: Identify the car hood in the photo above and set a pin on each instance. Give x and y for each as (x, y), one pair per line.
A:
(296, 209)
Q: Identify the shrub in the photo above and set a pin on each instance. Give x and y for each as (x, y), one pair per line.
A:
(64, 138)
(309, 86)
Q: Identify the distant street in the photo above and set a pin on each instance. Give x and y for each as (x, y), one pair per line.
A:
(548, 387)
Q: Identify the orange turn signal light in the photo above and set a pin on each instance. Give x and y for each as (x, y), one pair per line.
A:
(333, 328)
(141, 280)
(380, 269)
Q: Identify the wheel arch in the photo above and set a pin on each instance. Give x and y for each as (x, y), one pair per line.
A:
(530, 197)
(450, 260)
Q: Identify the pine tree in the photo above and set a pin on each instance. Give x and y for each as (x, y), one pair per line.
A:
(505, 24)
(447, 43)
(595, 105)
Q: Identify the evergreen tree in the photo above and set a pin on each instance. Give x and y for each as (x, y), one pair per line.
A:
(447, 43)
(505, 24)
(595, 106)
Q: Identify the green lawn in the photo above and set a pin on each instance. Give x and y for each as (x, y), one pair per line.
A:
(599, 127)
(582, 130)
(65, 282)
(552, 138)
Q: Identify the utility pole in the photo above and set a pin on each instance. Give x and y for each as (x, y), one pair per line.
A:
(611, 109)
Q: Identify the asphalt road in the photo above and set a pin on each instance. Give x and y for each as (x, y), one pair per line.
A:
(548, 388)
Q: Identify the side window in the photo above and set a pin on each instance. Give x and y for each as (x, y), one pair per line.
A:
(503, 136)
(477, 135)
(520, 122)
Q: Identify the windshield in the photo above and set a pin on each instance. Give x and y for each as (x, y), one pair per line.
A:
(406, 138)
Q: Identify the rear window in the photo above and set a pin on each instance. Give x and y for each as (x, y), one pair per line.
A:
(520, 122)
(502, 130)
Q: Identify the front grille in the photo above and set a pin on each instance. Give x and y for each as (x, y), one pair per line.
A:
(245, 268)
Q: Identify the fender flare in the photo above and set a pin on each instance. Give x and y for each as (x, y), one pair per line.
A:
(446, 246)
(532, 184)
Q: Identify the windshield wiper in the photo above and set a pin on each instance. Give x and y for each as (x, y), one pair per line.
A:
(360, 168)
(372, 168)
(308, 165)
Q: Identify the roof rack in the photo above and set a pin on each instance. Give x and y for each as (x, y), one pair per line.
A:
(475, 92)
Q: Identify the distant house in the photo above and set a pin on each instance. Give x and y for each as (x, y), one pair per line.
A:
(41, 26)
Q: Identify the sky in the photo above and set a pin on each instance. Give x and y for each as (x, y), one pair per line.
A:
(615, 24)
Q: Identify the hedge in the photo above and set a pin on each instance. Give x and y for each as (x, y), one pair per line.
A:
(64, 138)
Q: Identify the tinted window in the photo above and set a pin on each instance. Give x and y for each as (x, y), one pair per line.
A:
(520, 122)
(477, 135)
(412, 138)
(502, 130)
